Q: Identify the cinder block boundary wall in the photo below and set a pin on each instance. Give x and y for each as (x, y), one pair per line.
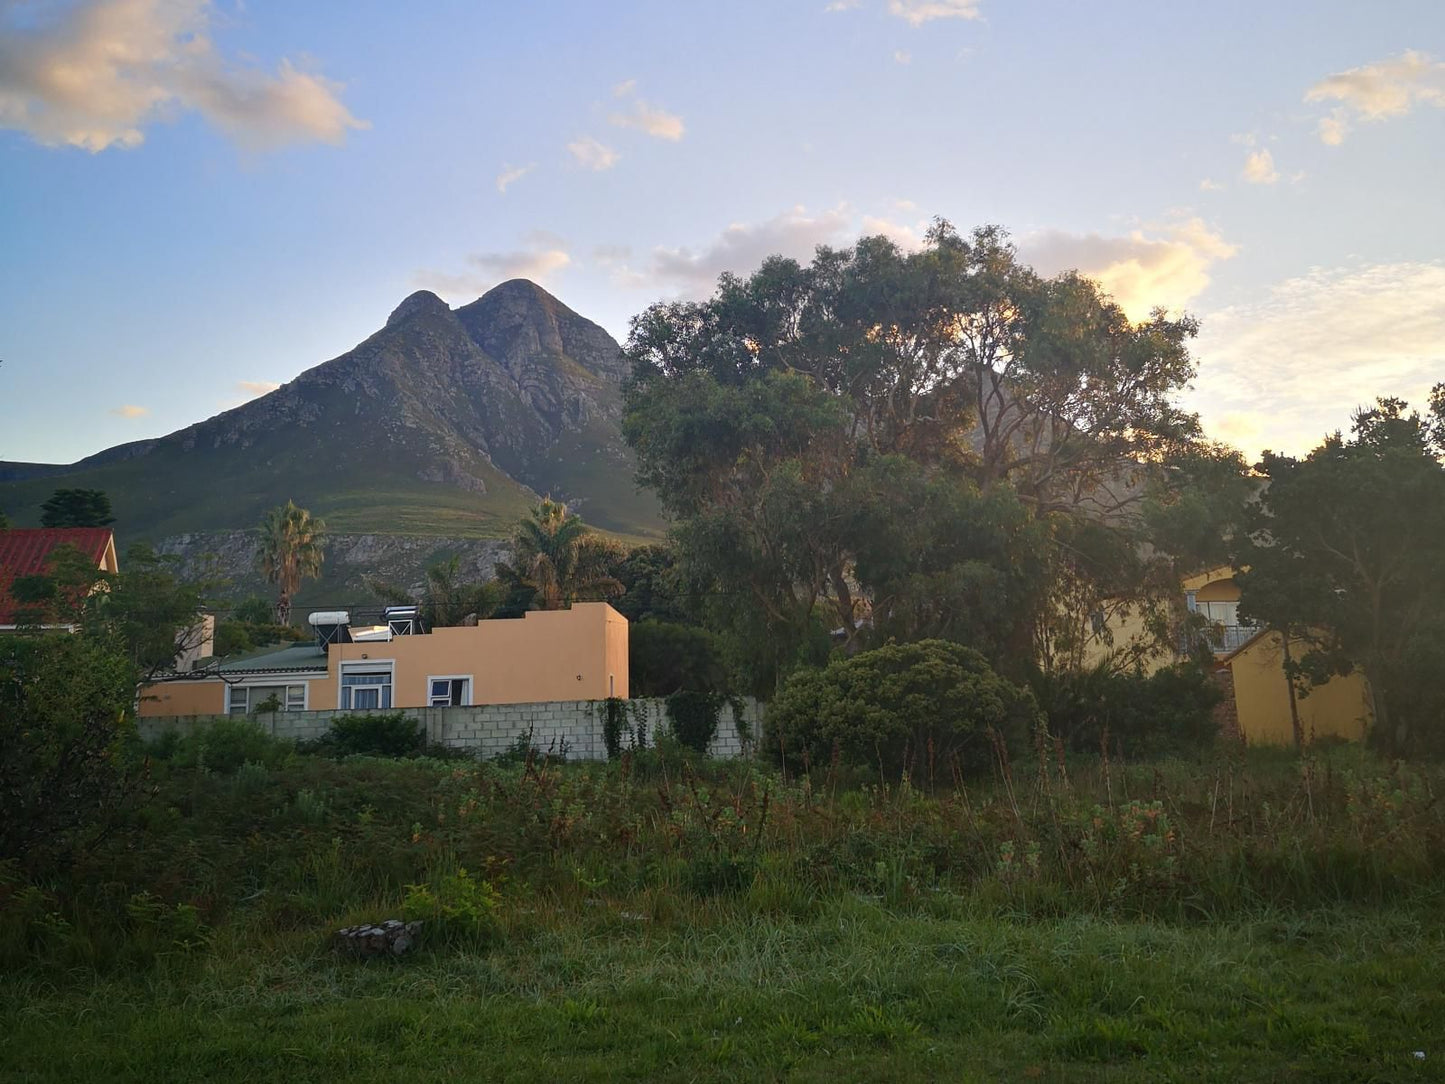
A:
(573, 727)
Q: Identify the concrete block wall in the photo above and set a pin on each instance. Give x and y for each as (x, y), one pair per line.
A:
(573, 728)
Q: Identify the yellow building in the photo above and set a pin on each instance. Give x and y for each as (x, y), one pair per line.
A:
(546, 655)
(1250, 666)
(1259, 705)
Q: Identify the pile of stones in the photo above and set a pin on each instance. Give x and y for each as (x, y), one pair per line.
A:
(390, 938)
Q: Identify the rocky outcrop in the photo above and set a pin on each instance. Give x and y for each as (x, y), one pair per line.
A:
(350, 560)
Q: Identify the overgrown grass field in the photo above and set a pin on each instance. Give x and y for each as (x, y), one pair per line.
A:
(1229, 917)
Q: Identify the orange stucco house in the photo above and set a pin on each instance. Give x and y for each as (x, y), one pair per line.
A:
(545, 655)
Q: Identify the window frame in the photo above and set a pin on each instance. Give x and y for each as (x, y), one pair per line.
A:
(369, 666)
(288, 703)
(467, 690)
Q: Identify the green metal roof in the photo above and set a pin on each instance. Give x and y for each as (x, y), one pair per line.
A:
(295, 657)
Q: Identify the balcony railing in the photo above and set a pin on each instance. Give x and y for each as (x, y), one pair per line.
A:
(1227, 638)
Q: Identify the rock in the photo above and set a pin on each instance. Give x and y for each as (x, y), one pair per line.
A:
(390, 938)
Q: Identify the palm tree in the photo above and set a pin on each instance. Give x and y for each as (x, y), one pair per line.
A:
(289, 551)
(557, 557)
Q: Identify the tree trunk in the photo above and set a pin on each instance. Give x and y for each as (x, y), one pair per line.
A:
(283, 608)
(1299, 733)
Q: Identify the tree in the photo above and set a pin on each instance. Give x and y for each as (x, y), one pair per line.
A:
(1344, 553)
(146, 612)
(65, 713)
(557, 560)
(76, 508)
(290, 550)
(764, 417)
(67, 701)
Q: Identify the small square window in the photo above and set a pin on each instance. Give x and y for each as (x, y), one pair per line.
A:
(449, 692)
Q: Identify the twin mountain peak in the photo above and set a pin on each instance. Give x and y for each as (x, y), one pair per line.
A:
(445, 421)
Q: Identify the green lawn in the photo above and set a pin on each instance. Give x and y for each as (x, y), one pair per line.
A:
(855, 993)
(1206, 919)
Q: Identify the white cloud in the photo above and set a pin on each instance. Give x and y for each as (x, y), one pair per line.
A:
(1376, 92)
(590, 154)
(1259, 168)
(740, 248)
(510, 175)
(844, 5)
(544, 255)
(129, 410)
(1167, 266)
(918, 12)
(1283, 371)
(96, 73)
(650, 119)
(1208, 185)
(253, 388)
(901, 56)
(1333, 128)
(905, 236)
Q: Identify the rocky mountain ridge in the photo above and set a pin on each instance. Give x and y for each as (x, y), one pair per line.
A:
(443, 422)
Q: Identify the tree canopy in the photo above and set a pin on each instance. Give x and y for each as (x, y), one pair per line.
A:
(899, 441)
(557, 559)
(76, 508)
(289, 550)
(1345, 551)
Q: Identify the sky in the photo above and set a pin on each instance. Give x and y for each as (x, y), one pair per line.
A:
(199, 200)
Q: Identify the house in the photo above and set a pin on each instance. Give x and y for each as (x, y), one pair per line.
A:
(1260, 705)
(357, 663)
(26, 551)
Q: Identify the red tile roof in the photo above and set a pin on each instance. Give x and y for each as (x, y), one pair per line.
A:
(24, 551)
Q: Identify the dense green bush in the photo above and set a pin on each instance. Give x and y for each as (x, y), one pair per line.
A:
(65, 717)
(222, 746)
(1171, 710)
(905, 707)
(389, 734)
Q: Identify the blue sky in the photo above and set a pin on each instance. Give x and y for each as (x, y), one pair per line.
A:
(199, 200)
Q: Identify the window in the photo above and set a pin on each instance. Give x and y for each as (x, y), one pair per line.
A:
(246, 699)
(449, 692)
(365, 690)
(1220, 613)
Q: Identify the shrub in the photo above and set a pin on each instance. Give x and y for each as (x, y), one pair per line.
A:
(389, 734)
(65, 716)
(1171, 710)
(224, 746)
(457, 909)
(899, 708)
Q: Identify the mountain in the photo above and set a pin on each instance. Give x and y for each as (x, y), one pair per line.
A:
(445, 422)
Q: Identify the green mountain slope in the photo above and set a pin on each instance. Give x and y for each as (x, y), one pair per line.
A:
(442, 423)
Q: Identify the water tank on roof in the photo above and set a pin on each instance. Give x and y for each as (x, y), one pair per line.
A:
(331, 627)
